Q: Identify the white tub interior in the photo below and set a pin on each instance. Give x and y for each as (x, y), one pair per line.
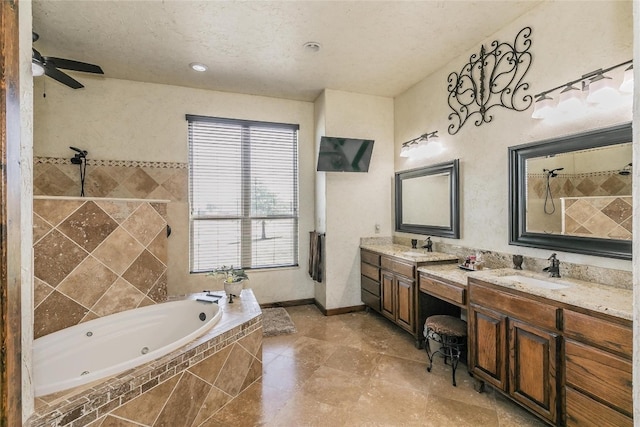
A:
(107, 346)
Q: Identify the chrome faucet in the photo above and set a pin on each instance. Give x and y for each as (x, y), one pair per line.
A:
(554, 266)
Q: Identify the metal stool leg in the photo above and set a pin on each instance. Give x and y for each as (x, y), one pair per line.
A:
(450, 348)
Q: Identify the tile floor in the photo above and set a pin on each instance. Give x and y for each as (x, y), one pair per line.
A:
(358, 369)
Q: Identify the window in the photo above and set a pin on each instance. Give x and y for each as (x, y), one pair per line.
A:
(243, 193)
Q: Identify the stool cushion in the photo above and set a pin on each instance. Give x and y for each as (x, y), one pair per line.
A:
(446, 325)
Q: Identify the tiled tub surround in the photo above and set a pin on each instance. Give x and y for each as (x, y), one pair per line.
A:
(94, 257)
(184, 388)
(587, 273)
(604, 217)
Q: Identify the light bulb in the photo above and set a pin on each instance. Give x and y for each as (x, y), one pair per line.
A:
(570, 102)
(627, 84)
(36, 69)
(601, 91)
(543, 107)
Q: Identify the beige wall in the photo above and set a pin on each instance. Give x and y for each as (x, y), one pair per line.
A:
(564, 47)
(355, 202)
(125, 120)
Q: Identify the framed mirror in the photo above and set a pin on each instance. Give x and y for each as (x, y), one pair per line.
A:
(427, 200)
(573, 193)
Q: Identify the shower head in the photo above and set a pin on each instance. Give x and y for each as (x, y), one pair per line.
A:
(79, 157)
(81, 153)
(552, 173)
(625, 170)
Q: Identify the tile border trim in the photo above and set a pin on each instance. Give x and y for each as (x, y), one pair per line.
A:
(118, 163)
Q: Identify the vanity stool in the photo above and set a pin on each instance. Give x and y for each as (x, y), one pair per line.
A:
(451, 333)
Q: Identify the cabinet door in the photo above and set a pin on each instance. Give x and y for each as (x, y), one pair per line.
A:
(533, 355)
(405, 312)
(488, 346)
(388, 300)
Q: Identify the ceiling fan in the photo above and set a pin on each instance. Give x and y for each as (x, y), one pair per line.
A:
(49, 66)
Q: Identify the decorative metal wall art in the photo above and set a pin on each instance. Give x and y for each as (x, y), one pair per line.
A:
(491, 79)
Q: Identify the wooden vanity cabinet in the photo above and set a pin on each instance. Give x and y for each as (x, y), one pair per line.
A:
(514, 345)
(388, 286)
(398, 292)
(598, 370)
(370, 279)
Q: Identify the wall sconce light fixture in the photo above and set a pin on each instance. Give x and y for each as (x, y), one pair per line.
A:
(592, 88)
(426, 144)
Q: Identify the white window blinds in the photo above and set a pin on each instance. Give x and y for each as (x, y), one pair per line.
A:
(243, 193)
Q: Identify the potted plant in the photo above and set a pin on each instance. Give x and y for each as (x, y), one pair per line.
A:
(233, 280)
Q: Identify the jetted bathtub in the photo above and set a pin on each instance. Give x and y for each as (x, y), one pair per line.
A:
(112, 344)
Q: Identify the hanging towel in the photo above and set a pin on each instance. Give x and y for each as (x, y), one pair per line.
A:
(316, 248)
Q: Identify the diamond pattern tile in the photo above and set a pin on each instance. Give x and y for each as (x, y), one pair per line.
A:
(90, 276)
(140, 184)
(144, 272)
(56, 312)
(99, 182)
(119, 297)
(613, 184)
(144, 224)
(604, 217)
(53, 211)
(88, 226)
(55, 256)
(118, 250)
(618, 210)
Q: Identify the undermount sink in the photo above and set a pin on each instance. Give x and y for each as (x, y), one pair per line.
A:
(536, 283)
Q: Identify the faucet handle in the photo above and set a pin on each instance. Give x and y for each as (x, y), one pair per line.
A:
(552, 257)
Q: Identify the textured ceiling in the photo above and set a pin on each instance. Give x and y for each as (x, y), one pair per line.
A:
(256, 47)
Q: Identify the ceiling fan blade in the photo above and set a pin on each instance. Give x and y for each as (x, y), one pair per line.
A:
(68, 64)
(51, 71)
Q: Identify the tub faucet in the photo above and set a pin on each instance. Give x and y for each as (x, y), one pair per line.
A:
(554, 266)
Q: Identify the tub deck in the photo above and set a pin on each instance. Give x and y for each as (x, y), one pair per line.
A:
(240, 322)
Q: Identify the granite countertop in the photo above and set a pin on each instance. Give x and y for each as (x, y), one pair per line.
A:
(450, 272)
(418, 255)
(593, 296)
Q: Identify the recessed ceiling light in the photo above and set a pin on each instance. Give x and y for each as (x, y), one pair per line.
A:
(197, 66)
(312, 46)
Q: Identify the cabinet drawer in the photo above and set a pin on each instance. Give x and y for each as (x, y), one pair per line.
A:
(370, 300)
(536, 313)
(398, 267)
(583, 411)
(370, 271)
(443, 290)
(370, 285)
(599, 332)
(369, 257)
(600, 374)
